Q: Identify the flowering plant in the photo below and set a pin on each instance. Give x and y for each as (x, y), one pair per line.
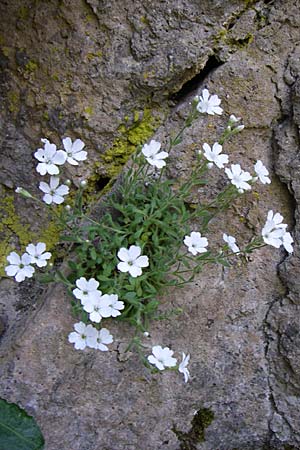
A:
(144, 241)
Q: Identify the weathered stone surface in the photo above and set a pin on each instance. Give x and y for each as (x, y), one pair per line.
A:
(79, 70)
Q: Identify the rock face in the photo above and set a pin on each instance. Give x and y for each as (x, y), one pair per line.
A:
(112, 73)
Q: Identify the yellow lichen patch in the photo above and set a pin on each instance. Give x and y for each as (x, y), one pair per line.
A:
(13, 101)
(15, 233)
(31, 66)
(130, 137)
(11, 226)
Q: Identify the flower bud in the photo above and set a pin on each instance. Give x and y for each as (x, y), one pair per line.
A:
(68, 208)
(83, 184)
(146, 334)
(68, 182)
(234, 119)
(210, 165)
(23, 192)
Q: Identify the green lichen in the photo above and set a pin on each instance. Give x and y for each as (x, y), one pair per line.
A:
(92, 55)
(201, 420)
(31, 67)
(130, 136)
(88, 112)
(13, 101)
(15, 233)
(11, 226)
(224, 37)
(23, 13)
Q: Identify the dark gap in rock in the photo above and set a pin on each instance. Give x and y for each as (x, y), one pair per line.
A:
(212, 63)
(101, 183)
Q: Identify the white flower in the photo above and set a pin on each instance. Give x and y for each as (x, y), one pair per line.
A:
(103, 337)
(196, 243)
(209, 103)
(234, 119)
(93, 307)
(162, 357)
(262, 172)
(83, 336)
(19, 267)
(230, 240)
(49, 159)
(87, 290)
(153, 155)
(287, 241)
(74, 152)
(273, 236)
(183, 367)
(132, 262)
(239, 177)
(275, 220)
(110, 305)
(214, 154)
(38, 254)
(274, 230)
(53, 192)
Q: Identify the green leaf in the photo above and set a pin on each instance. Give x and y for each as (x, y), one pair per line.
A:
(72, 265)
(18, 430)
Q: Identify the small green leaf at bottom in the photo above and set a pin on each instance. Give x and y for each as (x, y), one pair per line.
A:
(18, 430)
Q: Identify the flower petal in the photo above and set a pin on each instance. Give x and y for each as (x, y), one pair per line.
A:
(44, 187)
(14, 258)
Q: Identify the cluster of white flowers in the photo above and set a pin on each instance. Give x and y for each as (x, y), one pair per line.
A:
(98, 306)
(88, 336)
(162, 358)
(21, 267)
(94, 303)
(274, 232)
(49, 159)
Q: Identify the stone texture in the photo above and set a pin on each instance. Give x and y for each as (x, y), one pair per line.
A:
(80, 72)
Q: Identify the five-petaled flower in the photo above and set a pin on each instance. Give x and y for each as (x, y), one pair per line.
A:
(231, 242)
(83, 336)
(183, 367)
(239, 177)
(274, 232)
(53, 192)
(87, 290)
(103, 337)
(196, 243)
(19, 267)
(93, 307)
(162, 357)
(110, 305)
(209, 104)
(262, 172)
(153, 155)
(49, 158)
(214, 154)
(131, 261)
(74, 152)
(38, 254)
